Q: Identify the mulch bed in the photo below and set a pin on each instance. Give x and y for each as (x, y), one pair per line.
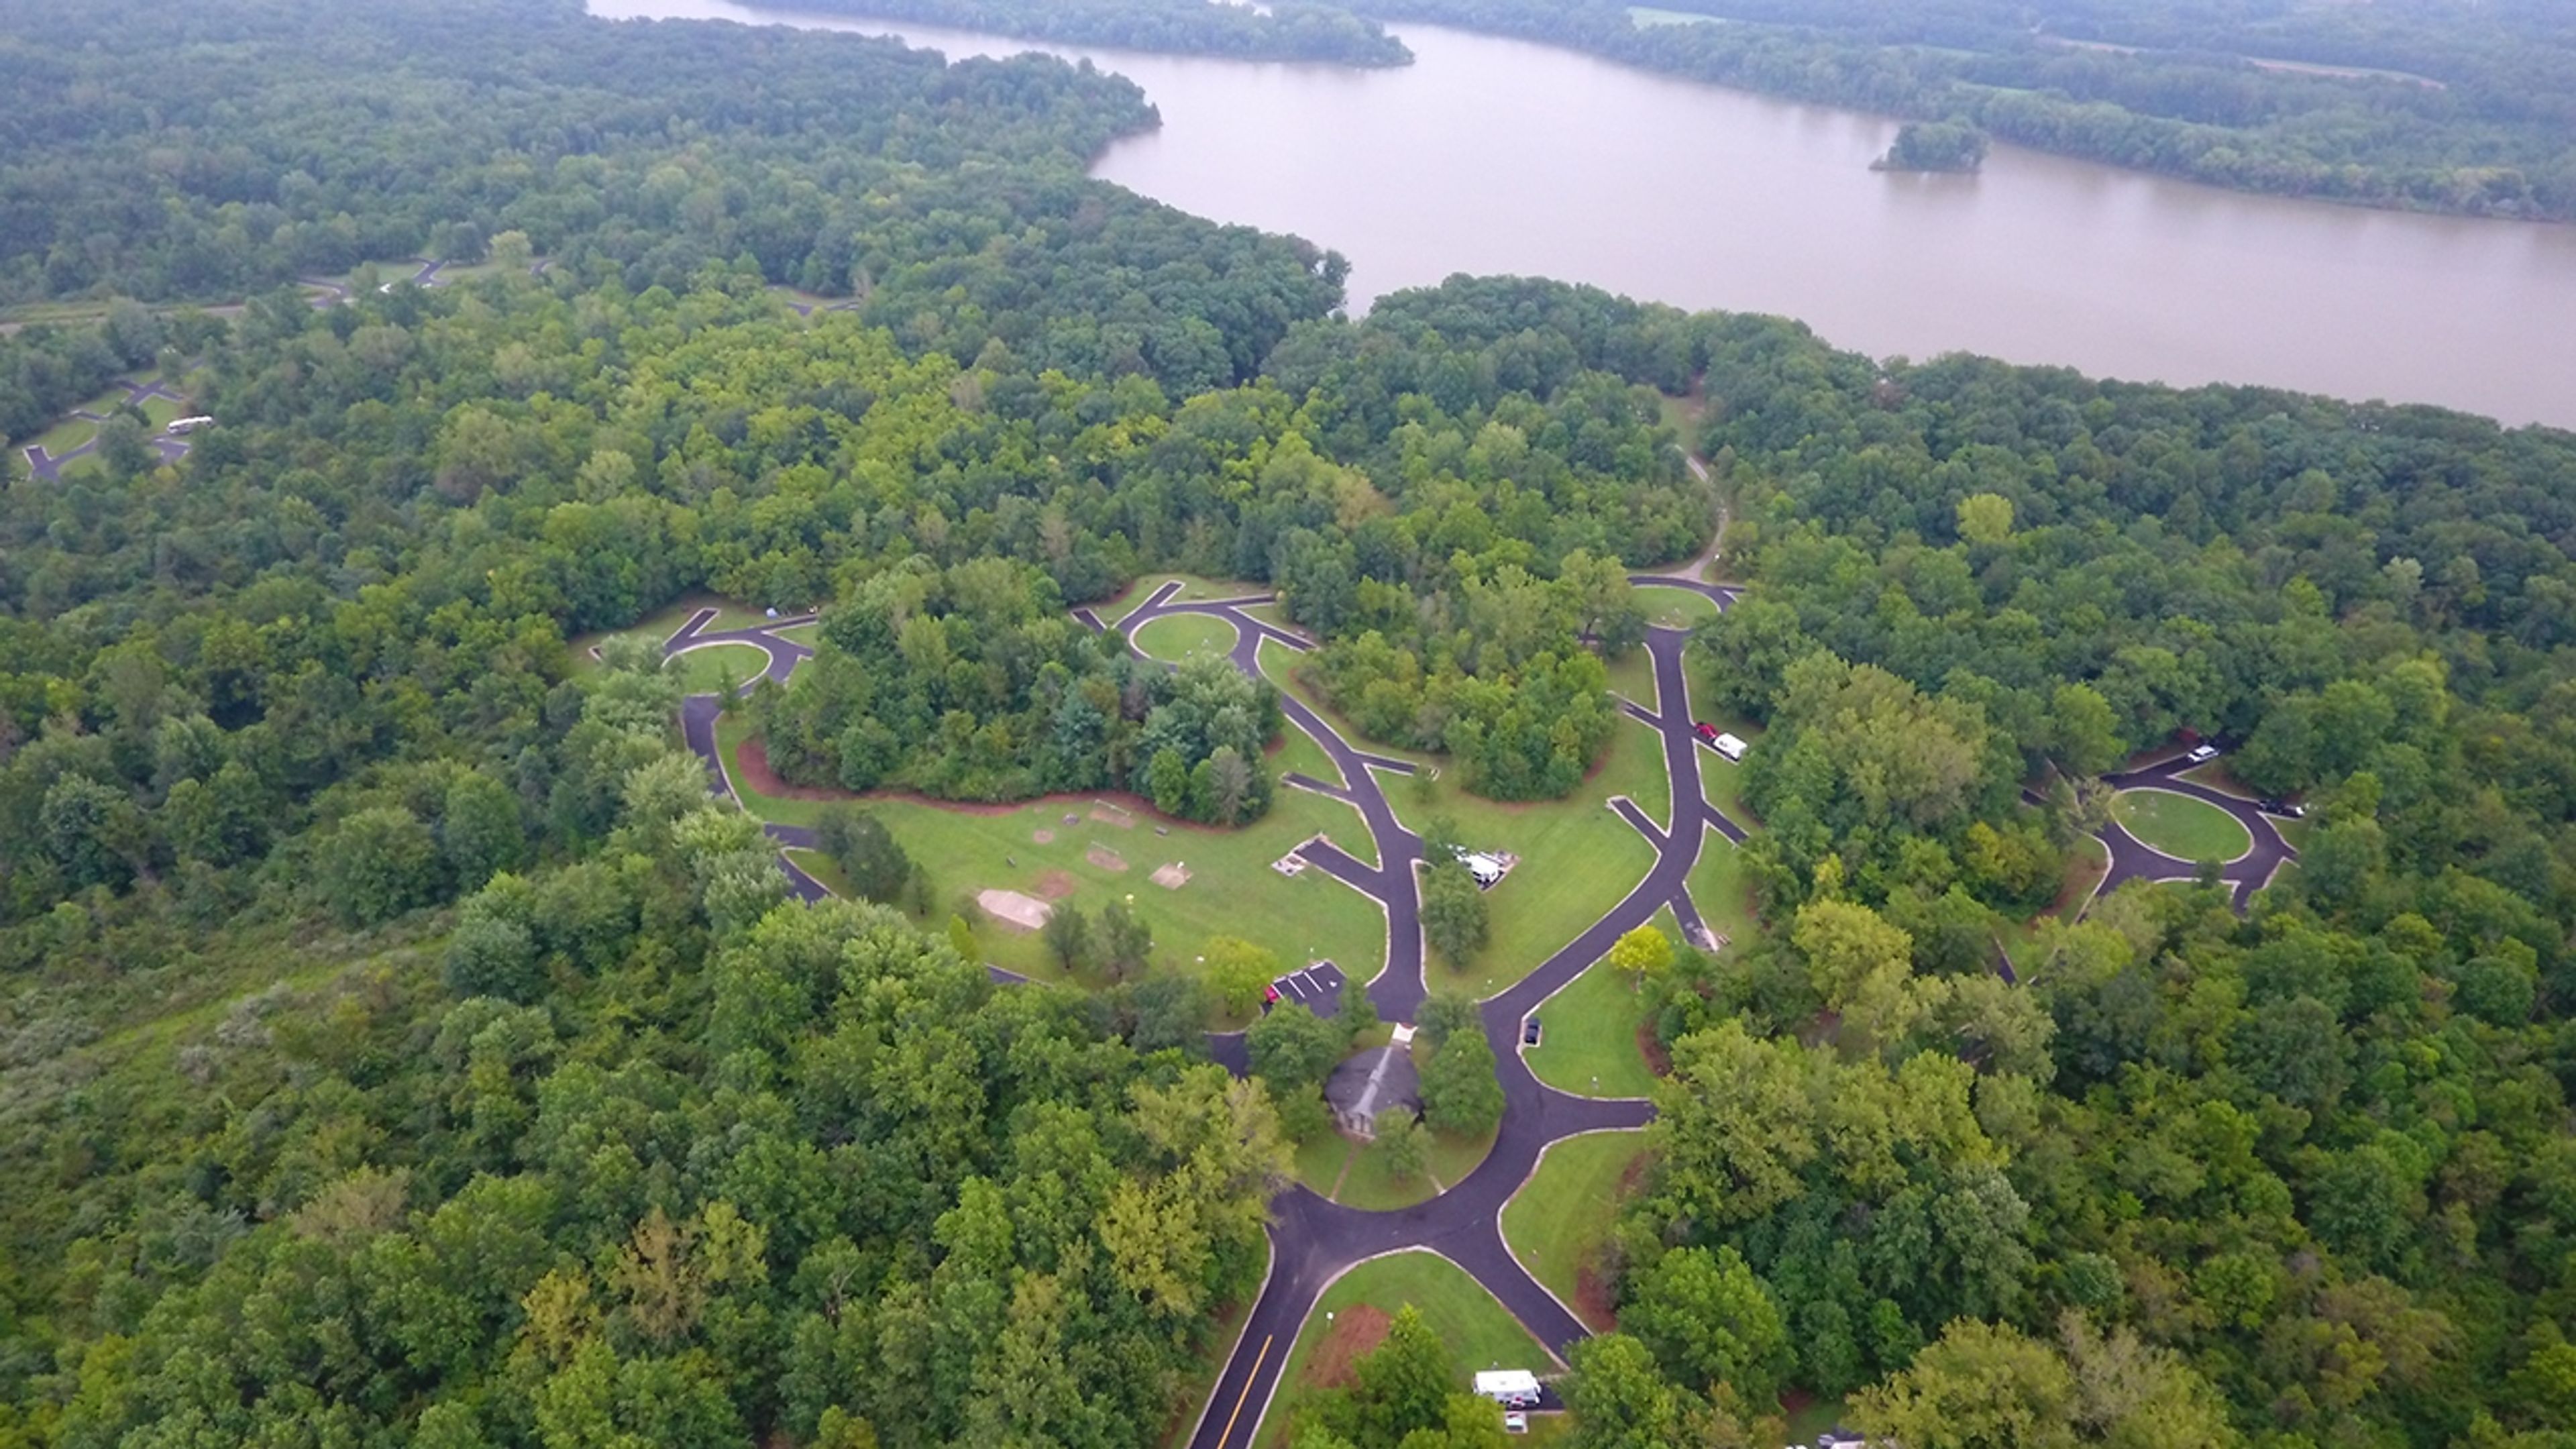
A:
(1055, 885)
(751, 760)
(1651, 1047)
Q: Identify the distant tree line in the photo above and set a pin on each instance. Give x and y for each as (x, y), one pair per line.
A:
(1293, 30)
(2479, 123)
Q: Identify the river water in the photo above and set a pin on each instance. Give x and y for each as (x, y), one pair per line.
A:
(1500, 156)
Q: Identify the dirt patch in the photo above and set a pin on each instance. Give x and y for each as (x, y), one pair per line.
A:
(1355, 1331)
(1108, 814)
(1633, 1178)
(1171, 877)
(1594, 1302)
(1105, 858)
(1055, 885)
(1651, 1047)
(1011, 908)
(1041, 837)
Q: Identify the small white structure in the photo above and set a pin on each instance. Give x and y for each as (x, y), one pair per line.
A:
(1485, 868)
(1731, 747)
(190, 425)
(1511, 1388)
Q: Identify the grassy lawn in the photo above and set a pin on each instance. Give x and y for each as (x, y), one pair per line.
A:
(71, 432)
(809, 635)
(2180, 826)
(712, 669)
(1814, 1418)
(1356, 1174)
(1588, 1041)
(1676, 608)
(1557, 1223)
(1723, 890)
(1722, 783)
(1480, 1333)
(1271, 614)
(1180, 638)
(1232, 892)
(1632, 677)
(824, 869)
(1298, 751)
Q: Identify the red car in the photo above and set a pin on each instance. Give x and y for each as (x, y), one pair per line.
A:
(1270, 994)
(1707, 731)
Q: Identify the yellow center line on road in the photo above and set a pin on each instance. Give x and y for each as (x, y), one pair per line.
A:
(1227, 1437)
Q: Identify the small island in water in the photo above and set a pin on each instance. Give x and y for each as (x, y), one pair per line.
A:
(1934, 146)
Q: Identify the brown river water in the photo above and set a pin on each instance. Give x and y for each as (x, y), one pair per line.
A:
(1500, 156)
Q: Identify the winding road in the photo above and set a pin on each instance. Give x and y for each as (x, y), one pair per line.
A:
(1315, 1241)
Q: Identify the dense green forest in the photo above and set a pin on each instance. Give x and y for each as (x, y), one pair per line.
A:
(1295, 30)
(397, 1046)
(2477, 113)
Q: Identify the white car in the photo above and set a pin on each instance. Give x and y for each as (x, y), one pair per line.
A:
(2202, 754)
(1515, 1422)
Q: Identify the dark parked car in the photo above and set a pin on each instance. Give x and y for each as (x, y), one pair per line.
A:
(2287, 810)
(1529, 1032)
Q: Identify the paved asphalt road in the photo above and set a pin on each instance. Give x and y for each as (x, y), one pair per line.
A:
(1314, 1241)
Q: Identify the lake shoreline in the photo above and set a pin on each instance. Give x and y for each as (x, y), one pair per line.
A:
(1495, 156)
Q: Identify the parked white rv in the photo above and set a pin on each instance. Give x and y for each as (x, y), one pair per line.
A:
(1511, 1388)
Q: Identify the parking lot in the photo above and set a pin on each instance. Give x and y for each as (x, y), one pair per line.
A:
(1318, 988)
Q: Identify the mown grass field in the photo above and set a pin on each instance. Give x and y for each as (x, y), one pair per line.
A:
(2180, 826)
(1588, 1036)
(1480, 1333)
(717, 667)
(1180, 638)
(1557, 1223)
(1232, 889)
(1676, 608)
